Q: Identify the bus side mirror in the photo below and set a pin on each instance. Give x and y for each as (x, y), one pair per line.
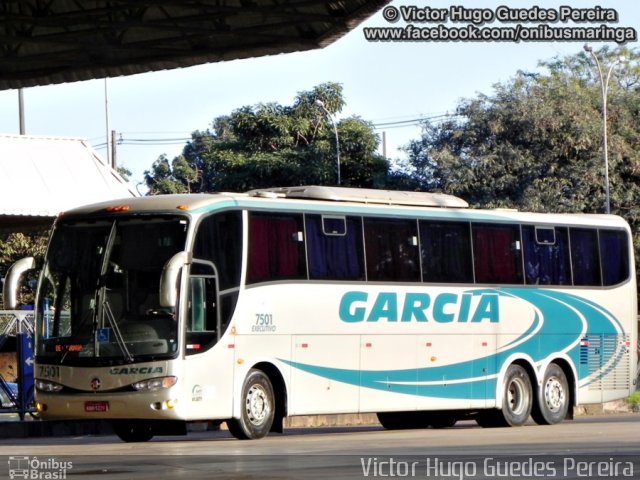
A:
(169, 279)
(12, 281)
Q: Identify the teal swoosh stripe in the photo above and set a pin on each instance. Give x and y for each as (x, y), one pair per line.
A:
(566, 318)
(393, 381)
(601, 323)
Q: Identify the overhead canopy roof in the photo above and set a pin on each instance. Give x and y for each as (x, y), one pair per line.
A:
(41, 177)
(56, 41)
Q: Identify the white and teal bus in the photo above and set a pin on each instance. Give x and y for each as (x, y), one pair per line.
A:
(248, 308)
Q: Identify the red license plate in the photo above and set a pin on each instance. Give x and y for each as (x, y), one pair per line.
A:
(96, 406)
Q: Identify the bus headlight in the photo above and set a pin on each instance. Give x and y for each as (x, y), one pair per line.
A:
(153, 384)
(47, 386)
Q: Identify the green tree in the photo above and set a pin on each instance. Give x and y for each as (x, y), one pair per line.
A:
(14, 246)
(536, 142)
(275, 145)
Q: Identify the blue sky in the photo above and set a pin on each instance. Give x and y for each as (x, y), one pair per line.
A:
(383, 82)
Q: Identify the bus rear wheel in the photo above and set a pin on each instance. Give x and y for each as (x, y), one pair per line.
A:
(517, 401)
(257, 410)
(552, 404)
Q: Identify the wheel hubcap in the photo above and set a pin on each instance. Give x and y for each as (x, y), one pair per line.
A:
(554, 395)
(516, 396)
(258, 406)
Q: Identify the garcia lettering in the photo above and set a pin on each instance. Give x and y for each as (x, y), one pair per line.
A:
(419, 307)
(134, 370)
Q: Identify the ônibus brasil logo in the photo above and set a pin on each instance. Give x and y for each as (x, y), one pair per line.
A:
(38, 469)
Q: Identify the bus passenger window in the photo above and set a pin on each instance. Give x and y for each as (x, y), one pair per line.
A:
(217, 253)
(546, 256)
(614, 251)
(497, 254)
(334, 247)
(585, 257)
(203, 314)
(446, 252)
(392, 250)
(219, 240)
(276, 248)
(198, 306)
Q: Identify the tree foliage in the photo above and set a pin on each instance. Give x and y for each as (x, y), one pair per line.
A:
(14, 246)
(536, 143)
(275, 145)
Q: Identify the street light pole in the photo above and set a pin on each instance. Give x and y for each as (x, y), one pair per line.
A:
(604, 87)
(322, 107)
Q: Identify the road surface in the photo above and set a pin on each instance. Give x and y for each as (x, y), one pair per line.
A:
(588, 447)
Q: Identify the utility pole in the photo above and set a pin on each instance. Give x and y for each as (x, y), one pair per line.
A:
(21, 111)
(114, 158)
(106, 116)
(384, 143)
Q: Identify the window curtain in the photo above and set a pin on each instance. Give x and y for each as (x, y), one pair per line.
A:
(390, 253)
(585, 258)
(446, 252)
(614, 252)
(546, 264)
(273, 248)
(494, 255)
(333, 256)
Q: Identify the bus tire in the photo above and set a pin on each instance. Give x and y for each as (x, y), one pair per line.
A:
(441, 419)
(257, 409)
(397, 420)
(133, 431)
(490, 419)
(552, 403)
(517, 401)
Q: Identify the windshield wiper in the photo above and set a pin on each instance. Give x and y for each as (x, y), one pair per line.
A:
(104, 309)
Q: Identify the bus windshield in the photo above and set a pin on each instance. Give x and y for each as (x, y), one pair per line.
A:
(98, 300)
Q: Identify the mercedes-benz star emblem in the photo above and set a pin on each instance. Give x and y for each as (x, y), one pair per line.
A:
(95, 383)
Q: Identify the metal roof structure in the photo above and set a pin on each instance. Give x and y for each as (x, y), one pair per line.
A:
(57, 41)
(41, 177)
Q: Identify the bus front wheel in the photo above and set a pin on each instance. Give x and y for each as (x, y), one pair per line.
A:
(397, 421)
(133, 431)
(257, 409)
(552, 403)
